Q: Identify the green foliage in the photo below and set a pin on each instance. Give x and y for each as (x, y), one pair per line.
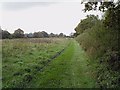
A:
(103, 6)
(101, 45)
(5, 34)
(42, 34)
(61, 35)
(86, 24)
(18, 33)
(112, 19)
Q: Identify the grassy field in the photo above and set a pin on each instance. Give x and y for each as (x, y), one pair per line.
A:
(22, 58)
(69, 70)
(42, 63)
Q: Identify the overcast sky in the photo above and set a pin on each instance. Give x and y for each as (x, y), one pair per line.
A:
(53, 17)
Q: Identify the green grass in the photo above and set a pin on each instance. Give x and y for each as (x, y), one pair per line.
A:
(22, 59)
(69, 70)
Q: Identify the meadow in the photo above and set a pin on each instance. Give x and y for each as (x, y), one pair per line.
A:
(87, 58)
(45, 63)
(23, 58)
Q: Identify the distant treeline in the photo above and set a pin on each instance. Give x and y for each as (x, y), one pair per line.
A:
(19, 33)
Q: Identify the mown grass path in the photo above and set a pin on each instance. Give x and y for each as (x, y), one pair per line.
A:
(69, 70)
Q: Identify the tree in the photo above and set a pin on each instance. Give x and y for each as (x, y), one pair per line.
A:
(18, 33)
(61, 35)
(5, 34)
(30, 35)
(112, 12)
(111, 56)
(86, 24)
(102, 7)
(45, 34)
(111, 17)
(52, 35)
(35, 35)
(42, 34)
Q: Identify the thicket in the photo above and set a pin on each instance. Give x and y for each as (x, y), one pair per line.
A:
(100, 39)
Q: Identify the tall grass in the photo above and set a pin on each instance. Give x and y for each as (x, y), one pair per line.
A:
(23, 58)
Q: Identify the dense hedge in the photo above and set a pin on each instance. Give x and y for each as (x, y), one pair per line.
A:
(101, 45)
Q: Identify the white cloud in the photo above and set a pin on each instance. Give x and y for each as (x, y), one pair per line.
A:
(56, 18)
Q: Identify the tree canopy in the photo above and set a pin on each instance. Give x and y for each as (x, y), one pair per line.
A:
(112, 12)
(85, 24)
(18, 33)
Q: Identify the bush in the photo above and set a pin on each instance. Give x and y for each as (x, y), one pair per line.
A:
(101, 45)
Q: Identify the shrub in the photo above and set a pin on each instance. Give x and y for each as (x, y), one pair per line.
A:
(101, 45)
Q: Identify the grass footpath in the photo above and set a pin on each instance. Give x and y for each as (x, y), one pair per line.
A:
(69, 70)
